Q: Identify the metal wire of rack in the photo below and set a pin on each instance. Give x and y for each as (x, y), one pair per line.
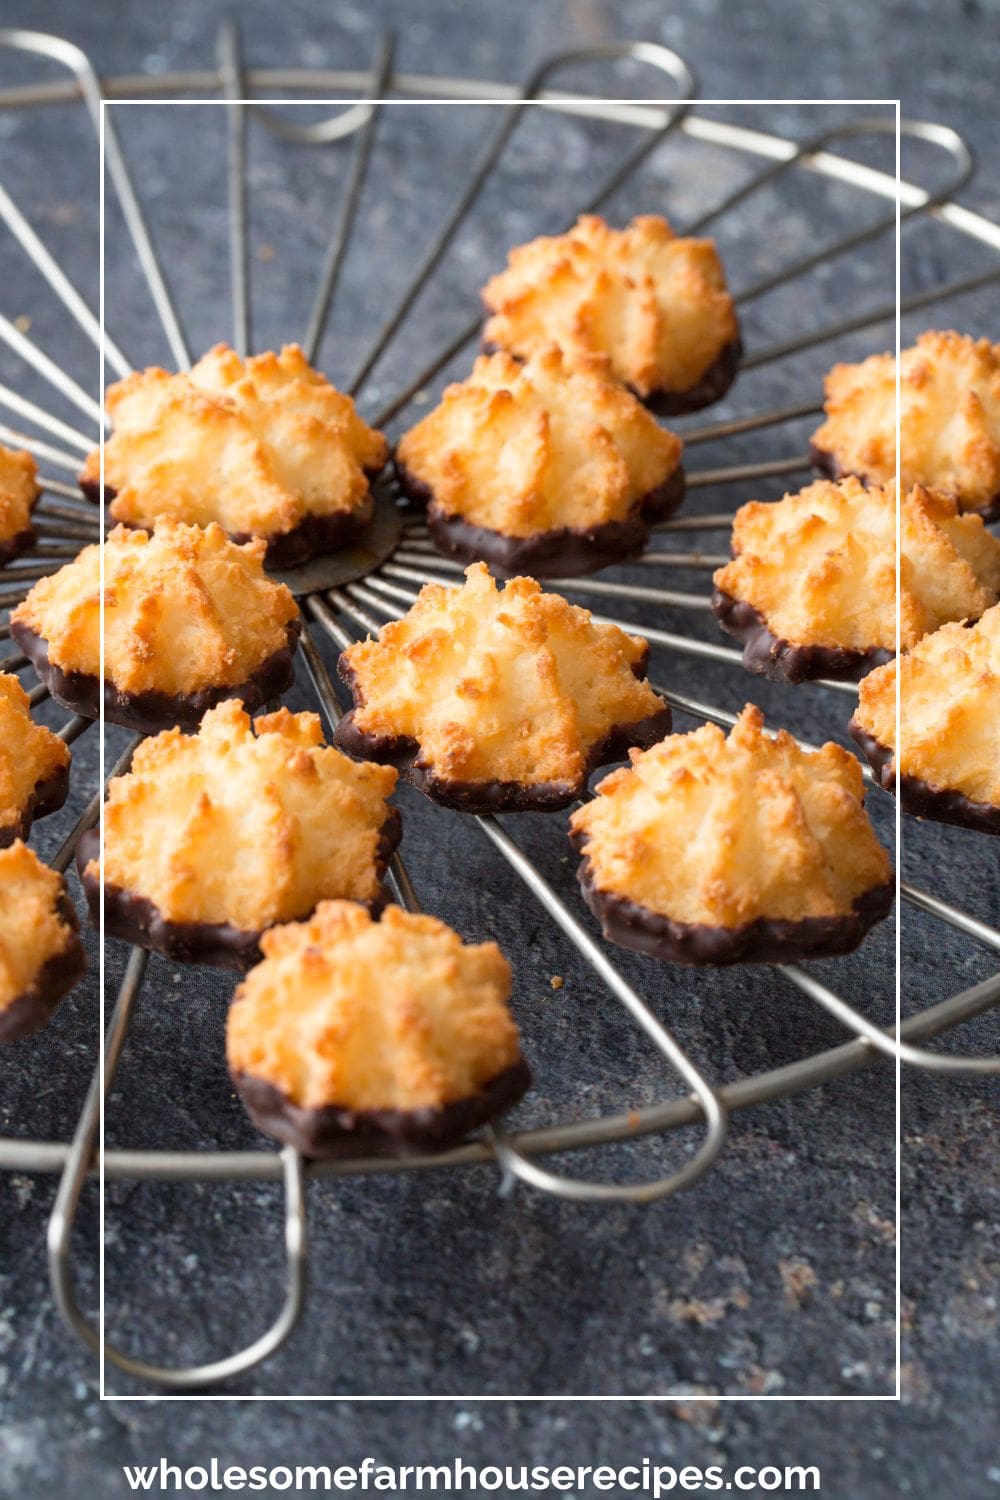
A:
(361, 601)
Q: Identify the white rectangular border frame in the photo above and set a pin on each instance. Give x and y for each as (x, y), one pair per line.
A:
(467, 1400)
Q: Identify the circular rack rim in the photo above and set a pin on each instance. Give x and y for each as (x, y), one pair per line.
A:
(705, 1102)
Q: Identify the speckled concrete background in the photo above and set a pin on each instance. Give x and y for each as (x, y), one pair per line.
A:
(776, 1274)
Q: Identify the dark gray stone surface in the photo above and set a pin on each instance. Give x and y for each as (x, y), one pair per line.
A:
(776, 1274)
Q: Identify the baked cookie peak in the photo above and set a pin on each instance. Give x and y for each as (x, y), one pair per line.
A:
(746, 848)
(211, 839)
(490, 697)
(949, 688)
(265, 446)
(19, 494)
(811, 589)
(654, 302)
(949, 419)
(356, 1037)
(551, 466)
(41, 957)
(190, 619)
(34, 764)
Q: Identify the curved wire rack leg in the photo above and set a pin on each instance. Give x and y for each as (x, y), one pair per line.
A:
(67, 1203)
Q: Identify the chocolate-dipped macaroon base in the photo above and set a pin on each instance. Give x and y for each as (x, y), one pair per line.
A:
(485, 797)
(315, 536)
(220, 945)
(712, 386)
(334, 1132)
(48, 797)
(768, 655)
(826, 464)
(151, 712)
(768, 940)
(13, 546)
(32, 1010)
(920, 798)
(560, 553)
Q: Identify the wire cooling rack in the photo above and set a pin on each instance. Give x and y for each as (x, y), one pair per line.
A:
(363, 591)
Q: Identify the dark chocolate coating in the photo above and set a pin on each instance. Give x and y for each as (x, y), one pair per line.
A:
(559, 553)
(335, 1132)
(151, 712)
(91, 490)
(138, 921)
(30, 1011)
(769, 655)
(712, 385)
(920, 798)
(314, 536)
(48, 797)
(13, 546)
(485, 797)
(768, 940)
(825, 463)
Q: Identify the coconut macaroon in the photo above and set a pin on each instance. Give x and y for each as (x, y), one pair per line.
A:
(949, 761)
(550, 466)
(19, 493)
(811, 590)
(34, 765)
(190, 619)
(210, 839)
(654, 302)
(742, 849)
(41, 957)
(949, 420)
(265, 446)
(356, 1037)
(492, 698)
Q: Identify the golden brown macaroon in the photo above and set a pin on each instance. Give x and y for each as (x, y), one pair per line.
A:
(190, 619)
(264, 446)
(811, 590)
(949, 688)
(41, 957)
(547, 467)
(741, 849)
(654, 302)
(949, 420)
(361, 1038)
(210, 839)
(19, 493)
(492, 698)
(34, 765)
